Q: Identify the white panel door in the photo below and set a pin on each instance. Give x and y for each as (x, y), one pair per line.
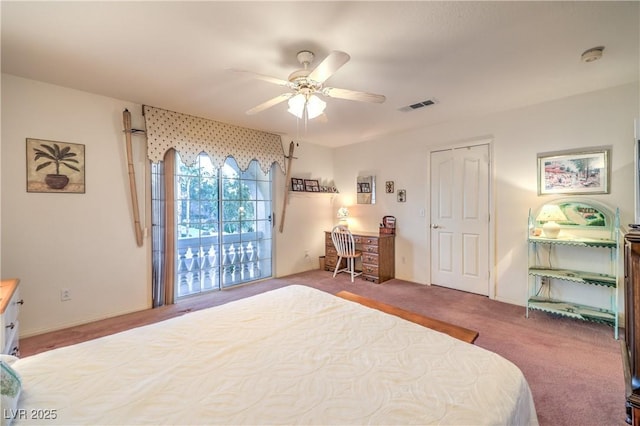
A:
(460, 219)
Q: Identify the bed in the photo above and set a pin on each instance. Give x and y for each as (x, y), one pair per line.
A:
(294, 355)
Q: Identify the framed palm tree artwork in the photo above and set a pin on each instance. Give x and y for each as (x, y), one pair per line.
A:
(55, 166)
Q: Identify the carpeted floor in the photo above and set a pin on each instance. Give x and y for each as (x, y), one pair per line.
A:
(574, 368)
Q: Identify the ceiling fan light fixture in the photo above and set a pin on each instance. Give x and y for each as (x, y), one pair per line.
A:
(296, 105)
(315, 106)
(312, 104)
(306, 82)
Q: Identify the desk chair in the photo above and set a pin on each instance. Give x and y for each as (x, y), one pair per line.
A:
(346, 247)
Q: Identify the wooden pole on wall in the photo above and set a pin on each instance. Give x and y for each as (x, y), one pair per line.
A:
(126, 118)
(286, 186)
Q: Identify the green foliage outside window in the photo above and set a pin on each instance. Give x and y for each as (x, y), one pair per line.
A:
(198, 198)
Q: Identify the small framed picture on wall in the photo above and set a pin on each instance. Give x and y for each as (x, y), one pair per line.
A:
(389, 187)
(311, 185)
(297, 184)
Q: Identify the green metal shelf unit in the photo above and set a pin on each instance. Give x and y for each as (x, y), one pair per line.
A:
(589, 225)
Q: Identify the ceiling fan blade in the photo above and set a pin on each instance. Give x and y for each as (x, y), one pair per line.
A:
(352, 95)
(269, 103)
(270, 79)
(329, 66)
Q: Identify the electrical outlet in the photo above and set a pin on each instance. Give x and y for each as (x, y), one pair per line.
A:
(65, 294)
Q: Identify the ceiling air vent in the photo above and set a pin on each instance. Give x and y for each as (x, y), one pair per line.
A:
(417, 105)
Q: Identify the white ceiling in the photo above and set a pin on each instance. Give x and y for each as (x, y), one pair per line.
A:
(472, 58)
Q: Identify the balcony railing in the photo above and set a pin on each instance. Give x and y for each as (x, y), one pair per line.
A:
(238, 256)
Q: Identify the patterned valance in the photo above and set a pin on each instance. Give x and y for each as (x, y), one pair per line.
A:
(191, 135)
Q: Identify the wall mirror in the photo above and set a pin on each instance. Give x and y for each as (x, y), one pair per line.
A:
(366, 189)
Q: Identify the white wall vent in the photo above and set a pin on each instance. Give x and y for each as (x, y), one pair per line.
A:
(417, 105)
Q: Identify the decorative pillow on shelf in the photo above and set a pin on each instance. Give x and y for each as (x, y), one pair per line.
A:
(10, 388)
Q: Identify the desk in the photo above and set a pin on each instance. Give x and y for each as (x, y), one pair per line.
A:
(378, 255)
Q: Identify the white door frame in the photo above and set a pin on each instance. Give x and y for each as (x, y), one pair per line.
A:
(491, 225)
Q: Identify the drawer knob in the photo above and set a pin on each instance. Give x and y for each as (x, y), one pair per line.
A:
(11, 326)
(20, 302)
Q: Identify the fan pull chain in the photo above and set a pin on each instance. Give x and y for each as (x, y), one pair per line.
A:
(297, 128)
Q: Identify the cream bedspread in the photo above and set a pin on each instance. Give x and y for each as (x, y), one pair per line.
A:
(295, 355)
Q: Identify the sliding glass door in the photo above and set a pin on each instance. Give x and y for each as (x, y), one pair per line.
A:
(223, 225)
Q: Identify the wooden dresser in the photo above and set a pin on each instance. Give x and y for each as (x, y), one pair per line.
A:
(9, 326)
(631, 342)
(378, 255)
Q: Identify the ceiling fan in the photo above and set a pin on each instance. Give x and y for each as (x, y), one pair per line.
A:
(306, 83)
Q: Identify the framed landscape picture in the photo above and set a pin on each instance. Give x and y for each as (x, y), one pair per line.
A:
(574, 172)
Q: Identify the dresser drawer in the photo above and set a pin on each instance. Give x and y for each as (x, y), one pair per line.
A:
(370, 259)
(11, 313)
(369, 249)
(330, 261)
(359, 239)
(327, 239)
(12, 336)
(9, 325)
(370, 270)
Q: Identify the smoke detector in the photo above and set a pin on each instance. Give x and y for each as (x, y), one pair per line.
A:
(592, 54)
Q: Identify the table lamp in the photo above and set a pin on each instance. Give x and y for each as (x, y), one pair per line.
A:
(343, 214)
(550, 214)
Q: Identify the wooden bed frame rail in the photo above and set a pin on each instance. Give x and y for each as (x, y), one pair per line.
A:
(460, 333)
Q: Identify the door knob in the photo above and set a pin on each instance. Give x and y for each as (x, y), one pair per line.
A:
(434, 226)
